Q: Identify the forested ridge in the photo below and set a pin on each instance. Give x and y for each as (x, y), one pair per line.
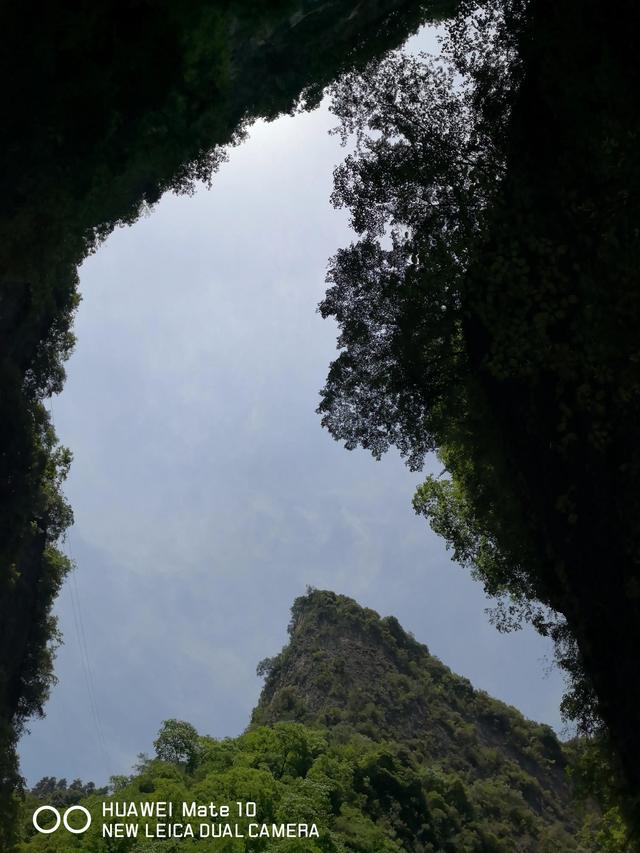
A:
(360, 730)
(489, 311)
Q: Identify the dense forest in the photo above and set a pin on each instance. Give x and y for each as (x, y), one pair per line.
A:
(107, 108)
(488, 309)
(364, 733)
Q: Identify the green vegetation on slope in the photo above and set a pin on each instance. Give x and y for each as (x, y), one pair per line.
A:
(346, 667)
(369, 737)
(363, 796)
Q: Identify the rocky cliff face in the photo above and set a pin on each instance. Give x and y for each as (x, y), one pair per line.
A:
(345, 667)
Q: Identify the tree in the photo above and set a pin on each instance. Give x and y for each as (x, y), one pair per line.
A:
(490, 311)
(178, 743)
(426, 166)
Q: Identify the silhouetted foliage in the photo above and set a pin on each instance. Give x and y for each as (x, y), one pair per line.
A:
(177, 743)
(490, 311)
(346, 669)
(108, 106)
(56, 792)
(426, 166)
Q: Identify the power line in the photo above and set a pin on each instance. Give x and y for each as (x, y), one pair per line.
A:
(87, 669)
(76, 606)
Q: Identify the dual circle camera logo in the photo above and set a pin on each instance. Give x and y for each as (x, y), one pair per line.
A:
(64, 818)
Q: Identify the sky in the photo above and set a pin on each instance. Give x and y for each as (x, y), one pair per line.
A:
(206, 494)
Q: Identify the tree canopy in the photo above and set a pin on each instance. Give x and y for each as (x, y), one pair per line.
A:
(487, 312)
(363, 732)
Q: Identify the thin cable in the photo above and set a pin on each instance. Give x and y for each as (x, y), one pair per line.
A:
(76, 606)
(85, 657)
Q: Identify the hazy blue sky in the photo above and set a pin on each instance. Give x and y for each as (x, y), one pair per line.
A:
(205, 492)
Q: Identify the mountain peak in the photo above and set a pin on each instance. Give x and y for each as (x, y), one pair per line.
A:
(345, 667)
